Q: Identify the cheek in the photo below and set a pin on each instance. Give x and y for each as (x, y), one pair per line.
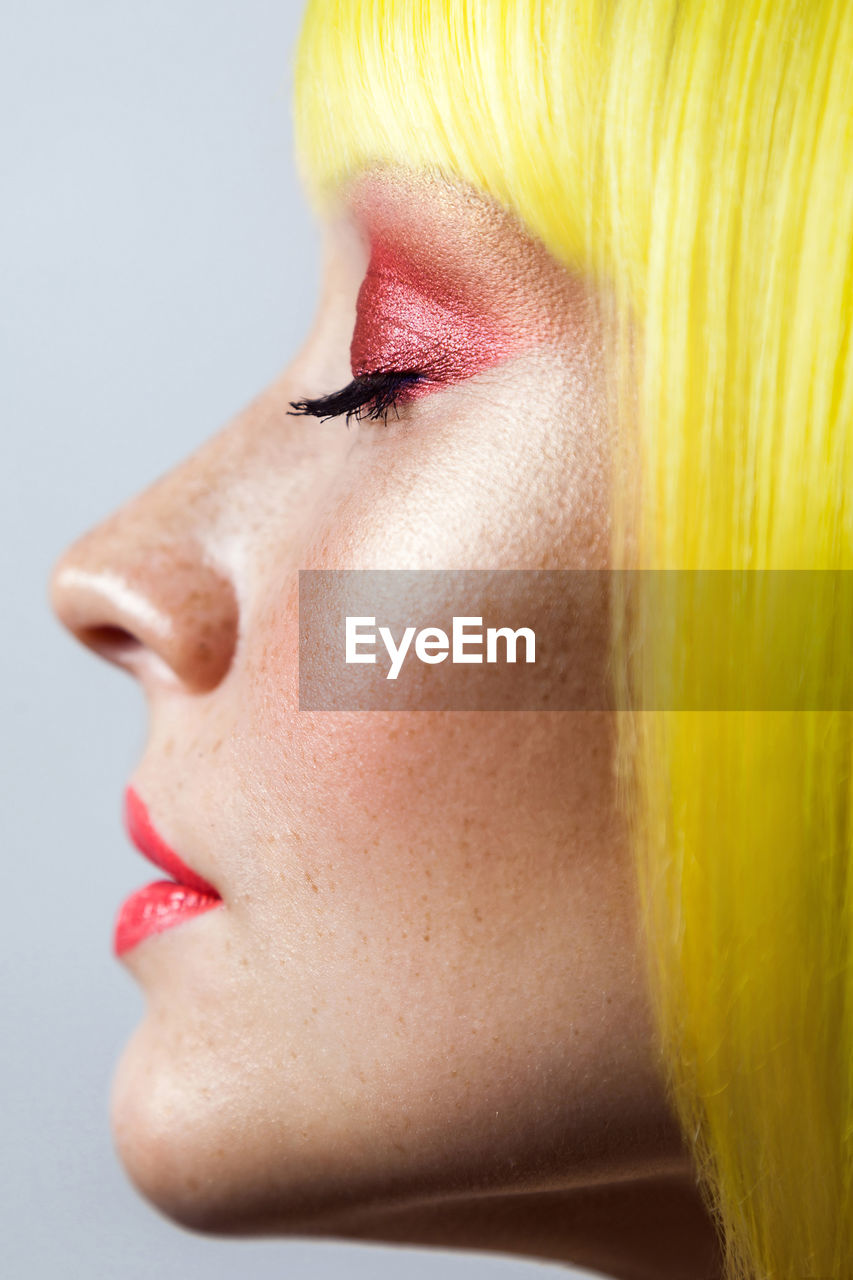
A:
(508, 469)
(454, 882)
(429, 824)
(487, 812)
(457, 889)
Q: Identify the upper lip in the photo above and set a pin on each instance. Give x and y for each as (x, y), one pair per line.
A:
(150, 843)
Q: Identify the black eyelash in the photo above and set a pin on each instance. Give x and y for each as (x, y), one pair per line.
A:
(369, 395)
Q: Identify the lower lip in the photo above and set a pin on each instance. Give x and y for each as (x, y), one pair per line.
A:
(155, 908)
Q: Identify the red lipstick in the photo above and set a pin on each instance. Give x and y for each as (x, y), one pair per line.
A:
(163, 903)
(409, 316)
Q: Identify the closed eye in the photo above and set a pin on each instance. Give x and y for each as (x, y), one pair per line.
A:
(369, 395)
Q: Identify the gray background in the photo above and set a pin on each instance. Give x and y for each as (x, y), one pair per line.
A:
(159, 266)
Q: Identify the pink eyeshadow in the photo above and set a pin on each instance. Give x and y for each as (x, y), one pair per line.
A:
(409, 318)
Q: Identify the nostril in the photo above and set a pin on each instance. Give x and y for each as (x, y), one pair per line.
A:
(114, 643)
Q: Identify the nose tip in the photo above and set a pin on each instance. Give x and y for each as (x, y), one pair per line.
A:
(148, 606)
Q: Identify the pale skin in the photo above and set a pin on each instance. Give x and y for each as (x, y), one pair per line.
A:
(421, 1015)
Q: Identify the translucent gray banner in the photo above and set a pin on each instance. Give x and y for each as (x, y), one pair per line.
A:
(540, 640)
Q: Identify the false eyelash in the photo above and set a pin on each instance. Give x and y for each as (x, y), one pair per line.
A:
(369, 395)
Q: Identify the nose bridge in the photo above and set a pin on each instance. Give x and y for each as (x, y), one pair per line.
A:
(144, 588)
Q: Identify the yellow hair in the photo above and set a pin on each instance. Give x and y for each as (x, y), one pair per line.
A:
(698, 158)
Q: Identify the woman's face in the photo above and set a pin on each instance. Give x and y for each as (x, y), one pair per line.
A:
(425, 982)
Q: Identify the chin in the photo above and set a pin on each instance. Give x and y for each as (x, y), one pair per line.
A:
(196, 1152)
(233, 1122)
(196, 1141)
(171, 1146)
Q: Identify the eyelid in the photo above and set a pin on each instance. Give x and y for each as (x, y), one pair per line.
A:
(407, 317)
(412, 336)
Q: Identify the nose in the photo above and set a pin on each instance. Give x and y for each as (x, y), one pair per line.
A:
(143, 591)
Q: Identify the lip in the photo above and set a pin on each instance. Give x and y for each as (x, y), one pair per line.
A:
(163, 903)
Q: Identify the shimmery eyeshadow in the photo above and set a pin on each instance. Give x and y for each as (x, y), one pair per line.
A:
(409, 317)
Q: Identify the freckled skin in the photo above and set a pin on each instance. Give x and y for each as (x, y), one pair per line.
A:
(421, 1014)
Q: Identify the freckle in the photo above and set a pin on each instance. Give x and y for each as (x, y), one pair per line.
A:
(293, 1053)
(478, 915)
(219, 1153)
(215, 747)
(169, 747)
(314, 1008)
(311, 882)
(426, 937)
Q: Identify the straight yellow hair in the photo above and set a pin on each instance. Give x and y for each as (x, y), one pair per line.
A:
(697, 159)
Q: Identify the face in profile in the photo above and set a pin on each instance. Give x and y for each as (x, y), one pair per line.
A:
(420, 982)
